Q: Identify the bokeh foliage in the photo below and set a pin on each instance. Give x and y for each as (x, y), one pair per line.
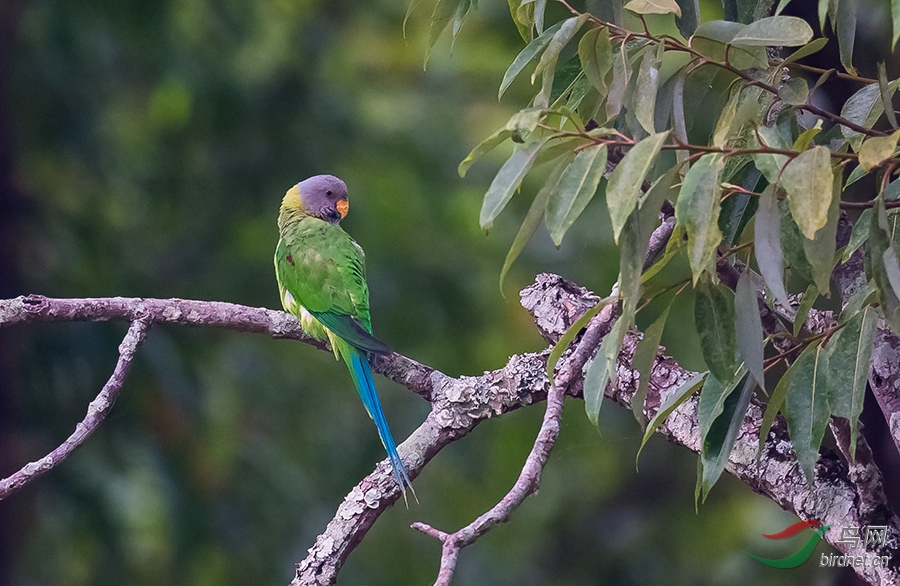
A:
(151, 143)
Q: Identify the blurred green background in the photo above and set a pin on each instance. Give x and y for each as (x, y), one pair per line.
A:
(144, 150)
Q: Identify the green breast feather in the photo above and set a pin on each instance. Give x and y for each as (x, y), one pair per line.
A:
(323, 271)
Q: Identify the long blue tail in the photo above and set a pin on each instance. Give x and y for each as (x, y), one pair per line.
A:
(362, 378)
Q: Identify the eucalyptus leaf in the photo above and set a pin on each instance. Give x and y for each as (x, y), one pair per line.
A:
(602, 370)
(646, 88)
(672, 401)
(849, 357)
(714, 320)
(795, 92)
(506, 182)
(595, 52)
(642, 363)
(883, 259)
(820, 250)
(485, 146)
(625, 182)
(784, 31)
(575, 188)
(807, 181)
(526, 56)
(806, 406)
(654, 7)
(845, 25)
(532, 218)
(877, 149)
(748, 328)
(864, 108)
(723, 423)
(697, 209)
(767, 244)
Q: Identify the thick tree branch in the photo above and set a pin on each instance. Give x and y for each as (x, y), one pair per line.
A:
(839, 495)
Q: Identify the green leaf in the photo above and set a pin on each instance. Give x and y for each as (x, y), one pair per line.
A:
(532, 219)
(820, 250)
(635, 236)
(714, 320)
(770, 164)
(459, 17)
(440, 18)
(823, 13)
(576, 186)
(697, 209)
(644, 358)
(806, 406)
(654, 7)
(806, 50)
(845, 23)
(748, 328)
(784, 31)
(547, 63)
(595, 52)
(895, 23)
(505, 183)
(487, 145)
(602, 369)
(849, 356)
(523, 25)
(524, 122)
(681, 394)
(877, 149)
(858, 235)
(540, 6)
(806, 303)
(776, 402)
(807, 181)
(722, 133)
(767, 244)
(625, 182)
(792, 245)
(864, 107)
(885, 269)
(566, 339)
(646, 88)
(795, 92)
(620, 78)
(884, 88)
(728, 411)
(711, 39)
(526, 56)
(806, 137)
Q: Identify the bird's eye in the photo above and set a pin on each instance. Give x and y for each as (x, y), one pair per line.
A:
(328, 192)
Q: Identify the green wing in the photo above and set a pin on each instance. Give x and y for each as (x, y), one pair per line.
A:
(323, 269)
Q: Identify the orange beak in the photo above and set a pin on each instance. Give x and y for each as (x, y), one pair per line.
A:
(343, 206)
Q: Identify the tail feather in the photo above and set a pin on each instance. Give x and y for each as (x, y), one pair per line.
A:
(362, 378)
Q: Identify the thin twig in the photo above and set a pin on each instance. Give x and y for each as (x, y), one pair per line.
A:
(96, 413)
(529, 479)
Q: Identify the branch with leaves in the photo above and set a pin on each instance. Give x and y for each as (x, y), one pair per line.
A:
(722, 121)
(576, 323)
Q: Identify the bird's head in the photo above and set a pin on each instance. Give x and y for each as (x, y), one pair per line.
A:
(321, 196)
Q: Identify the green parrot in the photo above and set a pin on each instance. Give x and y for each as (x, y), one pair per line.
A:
(322, 280)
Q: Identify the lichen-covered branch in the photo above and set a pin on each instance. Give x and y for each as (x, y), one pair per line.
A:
(841, 495)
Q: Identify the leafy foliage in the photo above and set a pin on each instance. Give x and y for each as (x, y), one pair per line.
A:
(721, 121)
